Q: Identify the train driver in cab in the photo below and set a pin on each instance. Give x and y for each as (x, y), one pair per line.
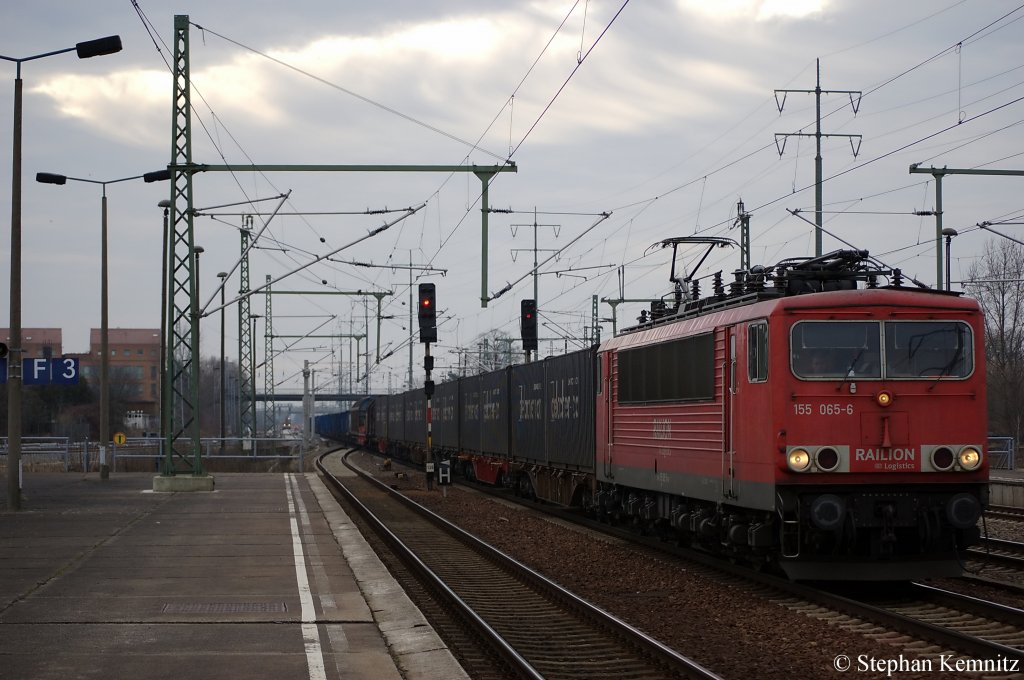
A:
(815, 363)
(828, 363)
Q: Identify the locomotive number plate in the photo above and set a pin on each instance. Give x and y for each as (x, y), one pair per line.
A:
(823, 409)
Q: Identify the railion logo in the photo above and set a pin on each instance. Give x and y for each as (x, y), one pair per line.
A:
(885, 455)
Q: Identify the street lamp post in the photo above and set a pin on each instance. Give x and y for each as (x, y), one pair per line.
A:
(949, 233)
(196, 252)
(222, 276)
(91, 48)
(51, 178)
(168, 455)
(252, 377)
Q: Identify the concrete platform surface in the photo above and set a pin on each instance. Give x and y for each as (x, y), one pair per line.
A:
(262, 578)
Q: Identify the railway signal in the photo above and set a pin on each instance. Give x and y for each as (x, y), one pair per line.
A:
(428, 334)
(428, 313)
(528, 324)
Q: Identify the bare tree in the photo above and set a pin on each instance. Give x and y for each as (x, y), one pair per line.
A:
(494, 350)
(209, 394)
(996, 283)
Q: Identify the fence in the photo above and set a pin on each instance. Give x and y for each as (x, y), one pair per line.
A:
(1000, 453)
(140, 454)
(43, 453)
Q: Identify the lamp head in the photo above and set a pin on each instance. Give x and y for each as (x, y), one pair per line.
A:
(98, 47)
(51, 178)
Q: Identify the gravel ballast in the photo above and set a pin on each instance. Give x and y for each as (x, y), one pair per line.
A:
(724, 625)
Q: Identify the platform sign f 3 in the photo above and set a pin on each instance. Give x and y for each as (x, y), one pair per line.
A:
(62, 371)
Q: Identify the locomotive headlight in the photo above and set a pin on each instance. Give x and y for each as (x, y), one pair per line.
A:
(884, 398)
(798, 460)
(827, 459)
(942, 458)
(969, 458)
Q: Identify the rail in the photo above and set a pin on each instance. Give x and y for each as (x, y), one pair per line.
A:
(521, 623)
(981, 629)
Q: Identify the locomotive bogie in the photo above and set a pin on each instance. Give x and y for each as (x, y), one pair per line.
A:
(887, 527)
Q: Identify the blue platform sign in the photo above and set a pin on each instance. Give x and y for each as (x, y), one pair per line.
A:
(62, 371)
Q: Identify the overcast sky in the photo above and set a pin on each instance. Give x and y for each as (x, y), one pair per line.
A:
(660, 113)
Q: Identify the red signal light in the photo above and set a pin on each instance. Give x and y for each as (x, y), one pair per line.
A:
(528, 324)
(427, 313)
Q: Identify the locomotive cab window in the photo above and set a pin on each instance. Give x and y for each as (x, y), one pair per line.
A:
(836, 350)
(922, 349)
(757, 352)
(846, 350)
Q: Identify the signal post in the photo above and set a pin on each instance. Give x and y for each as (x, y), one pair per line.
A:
(528, 326)
(428, 333)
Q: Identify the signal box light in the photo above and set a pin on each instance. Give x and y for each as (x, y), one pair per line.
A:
(428, 312)
(528, 324)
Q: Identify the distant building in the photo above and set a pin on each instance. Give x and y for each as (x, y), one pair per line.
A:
(134, 364)
(38, 342)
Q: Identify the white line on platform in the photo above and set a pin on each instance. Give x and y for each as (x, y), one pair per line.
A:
(310, 634)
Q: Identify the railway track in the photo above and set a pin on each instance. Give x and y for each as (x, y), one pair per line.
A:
(1004, 512)
(951, 621)
(948, 621)
(999, 551)
(530, 625)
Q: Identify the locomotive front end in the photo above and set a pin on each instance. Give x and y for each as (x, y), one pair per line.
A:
(882, 472)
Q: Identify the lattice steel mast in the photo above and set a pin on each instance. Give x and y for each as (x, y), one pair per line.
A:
(181, 370)
(246, 365)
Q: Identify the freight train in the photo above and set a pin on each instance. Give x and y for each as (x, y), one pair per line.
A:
(819, 416)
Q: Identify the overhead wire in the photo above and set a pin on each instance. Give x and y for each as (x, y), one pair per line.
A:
(351, 93)
(647, 203)
(215, 140)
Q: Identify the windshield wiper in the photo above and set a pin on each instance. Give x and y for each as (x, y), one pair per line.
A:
(948, 368)
(849, 371)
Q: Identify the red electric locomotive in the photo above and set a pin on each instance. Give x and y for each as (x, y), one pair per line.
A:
(806, 416)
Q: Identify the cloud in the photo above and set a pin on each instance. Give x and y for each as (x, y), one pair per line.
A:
(120, 104)
(407, 68)
(133, 105)
(457, 40)
(759, 10)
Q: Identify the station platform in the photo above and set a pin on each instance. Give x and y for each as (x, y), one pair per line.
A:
(264, 577)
